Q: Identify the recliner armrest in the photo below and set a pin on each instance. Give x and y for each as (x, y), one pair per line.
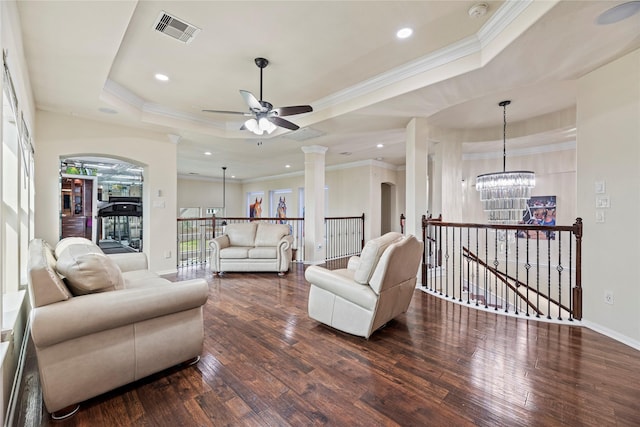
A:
(88, 314)
(340, 282)
(353, 263)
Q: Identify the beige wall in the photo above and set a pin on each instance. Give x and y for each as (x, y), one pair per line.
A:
(208, 193)
(61, 136)
(293, 182)
(555, 176)
(608, 122)
(361, 195)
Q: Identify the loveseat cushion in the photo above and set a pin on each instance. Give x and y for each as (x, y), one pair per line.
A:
(241, 234)
(46, 286)
(87, 270)
(263, 253)
(235, 252)
(270, 235)
(371, 255)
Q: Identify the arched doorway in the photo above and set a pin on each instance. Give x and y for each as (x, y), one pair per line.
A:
(387, 204)
(101, 199)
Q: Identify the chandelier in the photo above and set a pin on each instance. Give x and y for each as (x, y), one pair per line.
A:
(504, 195)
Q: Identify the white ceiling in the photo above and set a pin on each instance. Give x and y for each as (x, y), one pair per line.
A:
(341, 57)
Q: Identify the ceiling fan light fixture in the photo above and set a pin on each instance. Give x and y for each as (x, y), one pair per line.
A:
(266, 126)
(252, 125)
(265, 117)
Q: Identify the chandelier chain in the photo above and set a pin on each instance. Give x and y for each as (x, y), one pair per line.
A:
(504, 137)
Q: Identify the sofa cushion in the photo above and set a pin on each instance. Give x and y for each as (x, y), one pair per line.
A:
(241, 234)
(371, 254)
(235, 252)
(270, 252)
(270, 234)
(141, 278)
(86, 270)
(46, 286)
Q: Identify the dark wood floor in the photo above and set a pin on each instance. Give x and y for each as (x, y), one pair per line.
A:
(265, 363)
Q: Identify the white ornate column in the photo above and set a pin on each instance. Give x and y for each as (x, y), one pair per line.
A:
(314, 250)
(417, 175)
(447, 188)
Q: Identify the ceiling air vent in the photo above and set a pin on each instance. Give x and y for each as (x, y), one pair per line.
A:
(176, 28)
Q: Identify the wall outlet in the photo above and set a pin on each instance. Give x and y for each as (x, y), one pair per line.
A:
(608, 297)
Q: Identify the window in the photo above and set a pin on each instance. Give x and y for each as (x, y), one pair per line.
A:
(17, 194)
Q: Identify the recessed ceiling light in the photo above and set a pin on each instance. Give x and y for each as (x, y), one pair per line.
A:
(233, 176)
(207, 153)
(380, 145)
(404, 33)
(618, 13)
(287, 166)
(162, 77)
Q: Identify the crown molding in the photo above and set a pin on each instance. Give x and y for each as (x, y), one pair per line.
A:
(506, 14)
(495, 25)
(540, 149)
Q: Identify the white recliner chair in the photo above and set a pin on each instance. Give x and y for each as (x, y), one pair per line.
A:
(374, 288)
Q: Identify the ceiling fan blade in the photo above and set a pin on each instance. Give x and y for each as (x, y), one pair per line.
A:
(228, 112)
(290, 111)
(283, 123)
(251, 101)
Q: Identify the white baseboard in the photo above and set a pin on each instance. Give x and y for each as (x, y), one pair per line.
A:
(612, 334)
(15, 389)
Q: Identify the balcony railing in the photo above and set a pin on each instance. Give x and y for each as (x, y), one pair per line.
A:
(529, 270)
(344, 236)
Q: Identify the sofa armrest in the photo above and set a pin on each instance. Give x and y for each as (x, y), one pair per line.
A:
(284, 253)
(88, 314)
(130, 261)
(217, 244)
(286, 242)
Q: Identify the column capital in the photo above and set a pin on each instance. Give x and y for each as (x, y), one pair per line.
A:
(314, 149)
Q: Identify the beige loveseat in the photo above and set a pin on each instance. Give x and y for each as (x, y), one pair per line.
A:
(374, 288)
(252, 246)
(101, 321)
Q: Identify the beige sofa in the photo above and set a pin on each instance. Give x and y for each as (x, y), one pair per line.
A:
(101, 321)
(374, 288)
(252, 246)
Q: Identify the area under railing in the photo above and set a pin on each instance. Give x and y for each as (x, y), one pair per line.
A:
(529, 270)
(344, 236)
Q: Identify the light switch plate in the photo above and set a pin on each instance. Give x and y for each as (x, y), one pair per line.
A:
(599, 216)
(600, 187)
(602, 202)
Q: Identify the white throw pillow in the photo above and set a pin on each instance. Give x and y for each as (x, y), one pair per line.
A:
(87, 271)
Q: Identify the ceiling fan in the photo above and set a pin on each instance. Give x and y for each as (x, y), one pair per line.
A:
(265, 118)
